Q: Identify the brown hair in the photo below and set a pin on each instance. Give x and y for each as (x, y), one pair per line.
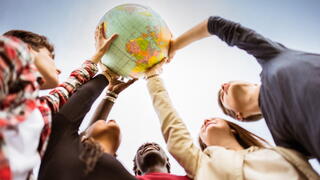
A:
(233, 114)
(90, 153)
(36, 41)
(244, 137)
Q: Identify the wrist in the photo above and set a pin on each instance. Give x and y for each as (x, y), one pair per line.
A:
(110, 98)
(111, 94)
(95, 59)
(151, 76)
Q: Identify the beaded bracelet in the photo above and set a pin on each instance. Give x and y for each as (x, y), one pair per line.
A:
(113, 94)
(112, 99)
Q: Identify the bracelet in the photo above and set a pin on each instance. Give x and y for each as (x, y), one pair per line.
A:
(112, 99)
(113, 94)
(151, 76)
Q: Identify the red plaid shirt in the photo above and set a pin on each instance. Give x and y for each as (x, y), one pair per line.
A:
(19, 83)
(18, 89)
(59, 96)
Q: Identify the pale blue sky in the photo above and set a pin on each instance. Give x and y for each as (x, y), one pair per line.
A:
(196, 73)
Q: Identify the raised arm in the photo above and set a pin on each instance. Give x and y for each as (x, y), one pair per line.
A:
(179, 141)
(58, 96)
(114, 89)
(80, 102)
(233, 34)
(196, 33)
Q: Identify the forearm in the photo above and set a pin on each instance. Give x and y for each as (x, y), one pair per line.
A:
(179, 141)
(102, 111)
(60, 95)
(244, 38)
(81, 101)
(196, 33)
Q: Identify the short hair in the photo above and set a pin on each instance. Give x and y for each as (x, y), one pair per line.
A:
(36, 41)
(135, 167)
(244, 137)
(233, 114)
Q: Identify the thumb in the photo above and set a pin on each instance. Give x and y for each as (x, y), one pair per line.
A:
(109, 41)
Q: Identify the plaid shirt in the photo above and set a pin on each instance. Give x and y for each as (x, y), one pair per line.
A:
(59, 96)
(18, 89)
(19, 82)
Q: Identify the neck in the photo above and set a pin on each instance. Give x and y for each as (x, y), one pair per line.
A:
(253, 103)
(156, 168)
(106, 146)
(227, 141)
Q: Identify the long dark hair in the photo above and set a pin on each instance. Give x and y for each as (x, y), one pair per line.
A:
(245, 138)
(233, 114)
(91, 151)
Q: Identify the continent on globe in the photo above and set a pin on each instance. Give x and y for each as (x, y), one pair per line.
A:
(143, 39)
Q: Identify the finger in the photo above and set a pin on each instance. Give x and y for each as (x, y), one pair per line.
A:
(169, 60)
(162, 62)
(102, 30)
(96, 33)
(112, 38)
(157, 66)
(131, 81)
(109, 42)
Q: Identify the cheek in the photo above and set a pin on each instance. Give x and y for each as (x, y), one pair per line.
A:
(231, 103)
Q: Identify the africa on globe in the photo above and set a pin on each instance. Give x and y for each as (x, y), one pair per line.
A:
(143, 40)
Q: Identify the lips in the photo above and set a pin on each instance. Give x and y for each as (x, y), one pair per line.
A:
(210, 122)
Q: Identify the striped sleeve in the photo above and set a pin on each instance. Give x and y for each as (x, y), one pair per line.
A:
(60, 95)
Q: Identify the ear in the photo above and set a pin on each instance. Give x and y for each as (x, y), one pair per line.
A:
(138, 172)
(239, 116)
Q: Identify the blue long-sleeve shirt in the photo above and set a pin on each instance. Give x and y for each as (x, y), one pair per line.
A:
(290, 86)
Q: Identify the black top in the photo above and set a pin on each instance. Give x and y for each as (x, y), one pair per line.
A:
(61, 160)
(290, 86)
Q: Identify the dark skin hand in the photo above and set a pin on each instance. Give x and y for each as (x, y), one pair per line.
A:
(105, 106)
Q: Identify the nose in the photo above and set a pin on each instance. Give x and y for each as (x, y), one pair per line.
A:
(58, 71)
(111, 120)
(225, 87)
(206, 121)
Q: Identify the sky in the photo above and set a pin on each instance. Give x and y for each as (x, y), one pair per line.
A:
(195, 74)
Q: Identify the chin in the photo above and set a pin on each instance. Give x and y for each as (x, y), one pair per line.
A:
(114, 127)
(152, 158)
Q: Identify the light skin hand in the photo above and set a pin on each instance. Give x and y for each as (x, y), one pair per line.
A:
(117, 86)
(172, 50)
(102, 43)
(196, 33)
(156, 69)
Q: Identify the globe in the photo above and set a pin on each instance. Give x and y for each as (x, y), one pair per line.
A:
(142, 42)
